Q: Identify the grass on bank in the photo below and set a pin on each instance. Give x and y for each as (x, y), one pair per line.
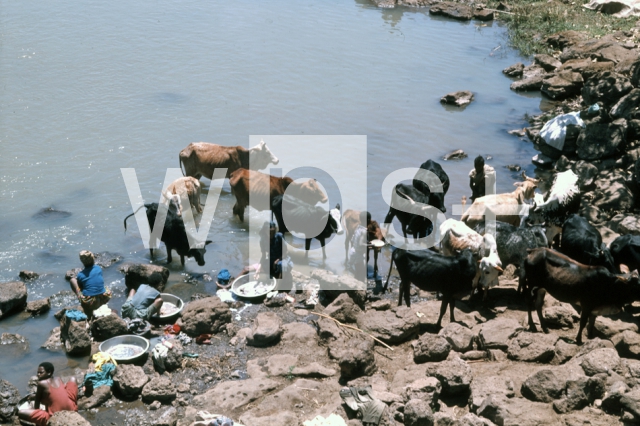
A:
(531, 22)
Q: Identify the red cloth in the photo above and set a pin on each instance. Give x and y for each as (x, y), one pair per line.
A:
(62, 398)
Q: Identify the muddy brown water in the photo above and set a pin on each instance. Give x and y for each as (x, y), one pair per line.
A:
(88, 91)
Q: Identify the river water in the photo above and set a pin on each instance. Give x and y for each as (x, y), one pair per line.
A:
(89, 90)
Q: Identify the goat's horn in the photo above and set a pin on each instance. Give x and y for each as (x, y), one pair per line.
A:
(499, 268)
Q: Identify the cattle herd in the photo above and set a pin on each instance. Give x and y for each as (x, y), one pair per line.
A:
(553, 249)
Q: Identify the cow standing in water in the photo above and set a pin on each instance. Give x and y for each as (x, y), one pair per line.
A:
(201, 159)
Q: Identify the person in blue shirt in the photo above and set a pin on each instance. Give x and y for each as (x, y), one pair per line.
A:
(88, 285)
(142, 303)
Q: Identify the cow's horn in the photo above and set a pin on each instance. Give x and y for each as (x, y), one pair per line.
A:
(403, 195)
(499, 268)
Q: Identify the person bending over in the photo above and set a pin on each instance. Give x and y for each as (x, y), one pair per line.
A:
(53, 393)
(88, 285)
(143, 303)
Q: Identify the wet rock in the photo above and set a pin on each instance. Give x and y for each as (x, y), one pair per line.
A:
(458, 154)
(205, 316)
(129, 380)
(105, 259)
(459, 337)
(266, 330)
(452, 10)
(75, 336)
(460, 98)
(580, 393)
(355, 356)
(495, 334)
(426, 389)
(28, 275)
(532, 347)
(67, 418)
(343, 309)
(562, 84)
(484, 386)
(394, 326)
(99, 396)
(159, 389)
(418, 413)
(139, 273)
(454, 375)
(38, 307)
(108, 326)
(542, 386)
(601, 140)
(548, 62)
(9, 398)
(13, 298)
(430, 348)
(627, 344)
(560, 316)
(516, 411)
(231, 395)
(54, 342)
(606, 87)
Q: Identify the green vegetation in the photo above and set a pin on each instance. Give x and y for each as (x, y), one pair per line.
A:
(289, 375)
(530, 22)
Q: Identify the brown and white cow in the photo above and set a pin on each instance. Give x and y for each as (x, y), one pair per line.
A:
(202, 158)
(258, 189)
(351, 221)
(184, 185)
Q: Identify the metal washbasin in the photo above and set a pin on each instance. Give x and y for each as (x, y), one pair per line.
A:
(242, 286)
(166, 297)
(127, 348)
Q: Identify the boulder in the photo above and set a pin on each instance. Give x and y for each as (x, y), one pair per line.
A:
(430, 348)
(563, 352)
(514, 70)
(108, 326)
(454, 375)
(393, 326)
(495, 334)
(601, 140)
(37, 307)
(627, 344)
(630, 403)
(585, 49)
(527, 84)
(548, 62)
(75, 336)
(611, 401)
(99, 396)
(159, 389)
(460, 98)
(562, 84)
(299, 333)
(426, 389)
(418, 413)
(516, 411)
(141, 273)
(328, 330)
(344, 309)
(560, 316)
(484, 386)
(266, 330)
(452, 10)
(205, 316)
(67, 418)
(459, 337)
(580, 393)
(542, 386)
(354, 355)
(129, 380)
(607, 327)
(9, 398)
(532, 347)
(606, 87)
(13, 298)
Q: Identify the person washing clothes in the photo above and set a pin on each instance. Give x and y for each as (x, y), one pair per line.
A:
(53, 393)
(88, 285)
(480, 177)
(142, 303)
(223, 279)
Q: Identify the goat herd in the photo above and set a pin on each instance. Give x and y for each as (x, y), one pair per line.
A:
(581, 270)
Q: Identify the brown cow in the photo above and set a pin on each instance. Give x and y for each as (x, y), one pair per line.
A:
(201, 158)
(351, 220)
(266, 187)
(185, 185)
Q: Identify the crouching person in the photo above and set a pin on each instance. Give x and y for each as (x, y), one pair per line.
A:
(142, 303)
(53, 393)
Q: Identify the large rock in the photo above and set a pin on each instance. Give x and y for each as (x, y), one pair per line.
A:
(484, 386)
(627, 344)
(425, 388)
(141, 273)
(99, 396)
(606, 327)
(108, 326)
(585, 49)
(495, 334)
(516, 411)
(67, 418)
(332, 286)
(129, 380)
(37, 307)
(560, 316)
(460, 98)
(459, 337)
(13, 297)
(527, 84)
(580, 393)
(9, 398)
(548, 62)
(627, 106)
(543, 386)
(514, 70)
(611, 192)
(159, 389)
(601, 140)
(611, 401)
(299, 333)
(603, 360)
(430, 348)
(354, 355)
(418, 413)
(562, 84)
(344, 309)
(266, 330)
(205, 316)
(75, 336)
(532, 347)
(453, 10)
(231, 395)
(563, 352)
(394, 326)
(454, 375)
(606, 87)
(630, 403)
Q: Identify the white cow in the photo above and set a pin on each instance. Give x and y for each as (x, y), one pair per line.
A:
(184, 185)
